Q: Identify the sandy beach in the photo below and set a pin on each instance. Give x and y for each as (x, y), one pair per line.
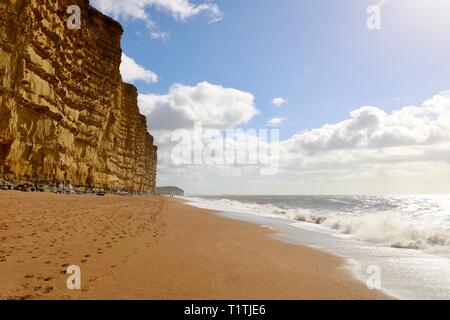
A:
(149, 247)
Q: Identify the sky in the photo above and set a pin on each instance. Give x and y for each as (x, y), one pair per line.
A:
(357, 110)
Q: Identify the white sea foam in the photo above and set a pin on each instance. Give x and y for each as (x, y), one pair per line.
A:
(385, 224)
(388, 228)
(391, 230)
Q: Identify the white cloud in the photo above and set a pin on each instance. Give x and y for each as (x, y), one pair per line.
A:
(276, 121)
(131, 71)
(372, 141)
(160, 35)
(217, 107)
(372, 128)
(181, 10)
(278, 102)
(373, 151)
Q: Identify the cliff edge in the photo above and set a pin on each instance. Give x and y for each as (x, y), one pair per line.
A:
(65, 114)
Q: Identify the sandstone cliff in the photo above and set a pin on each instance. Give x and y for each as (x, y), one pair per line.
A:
(65, 114)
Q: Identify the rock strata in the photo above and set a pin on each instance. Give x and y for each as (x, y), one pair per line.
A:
(66, 117)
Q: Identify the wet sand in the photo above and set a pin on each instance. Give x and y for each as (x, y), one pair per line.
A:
(148, 247)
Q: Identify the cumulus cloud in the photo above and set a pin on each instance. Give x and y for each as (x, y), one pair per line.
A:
(131, 71)
(371, 128)
(371, 151)
(217, 107)
(278, 102)
(372, 140)
(181, 110)
(276, 121)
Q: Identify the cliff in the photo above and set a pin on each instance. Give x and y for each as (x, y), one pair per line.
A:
(65, 114)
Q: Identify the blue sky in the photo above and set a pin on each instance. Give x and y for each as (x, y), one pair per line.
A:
(318, 54)
(323, 60)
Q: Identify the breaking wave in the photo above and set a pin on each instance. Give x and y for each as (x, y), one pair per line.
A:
(385, 228)
(391, 230)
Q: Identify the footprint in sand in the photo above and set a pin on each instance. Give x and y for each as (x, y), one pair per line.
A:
(47, 289)
(93, 279)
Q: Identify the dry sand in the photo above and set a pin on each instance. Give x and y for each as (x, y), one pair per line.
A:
(153, 248)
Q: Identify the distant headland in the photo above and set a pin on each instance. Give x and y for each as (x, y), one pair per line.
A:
(171, 191)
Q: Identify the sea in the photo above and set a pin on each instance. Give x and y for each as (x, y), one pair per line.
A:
(399, 244)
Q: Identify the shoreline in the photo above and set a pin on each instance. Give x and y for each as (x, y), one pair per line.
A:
(402, 273)
(150, 247)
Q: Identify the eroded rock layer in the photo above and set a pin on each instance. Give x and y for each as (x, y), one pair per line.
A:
(65, 114)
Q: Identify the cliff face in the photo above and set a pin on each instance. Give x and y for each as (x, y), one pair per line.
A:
(65, 114)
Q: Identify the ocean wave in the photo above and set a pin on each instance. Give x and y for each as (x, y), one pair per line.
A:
(391, 230)
(385, 228)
